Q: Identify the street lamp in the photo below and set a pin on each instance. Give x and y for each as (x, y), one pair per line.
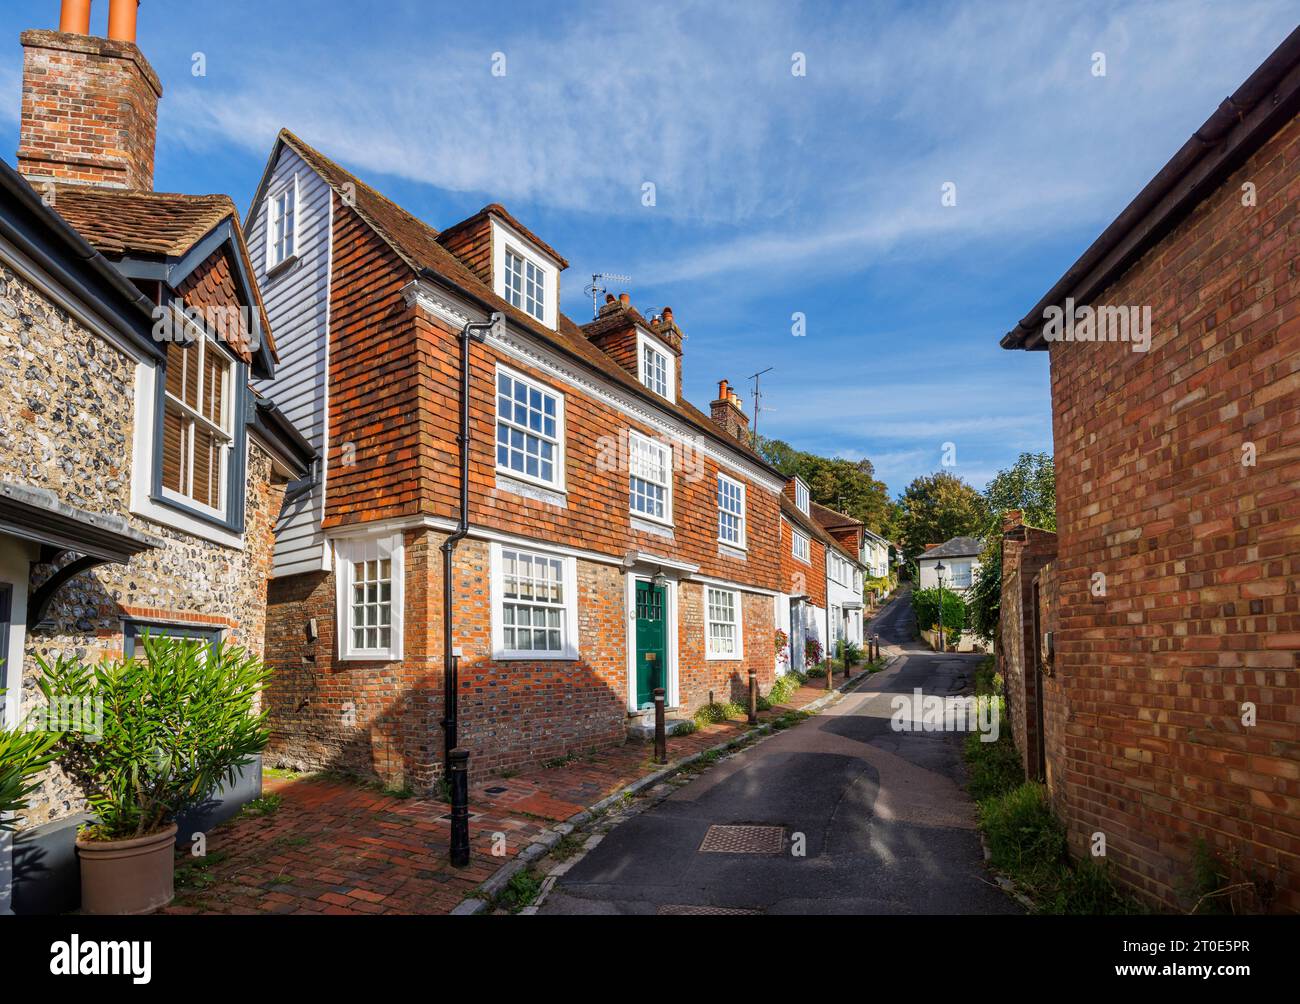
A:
(939, 570)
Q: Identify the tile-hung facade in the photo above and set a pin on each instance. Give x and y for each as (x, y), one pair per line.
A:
(844, 572)
(821, 579)
(619, 539)
(1169, 621)
(139, 478)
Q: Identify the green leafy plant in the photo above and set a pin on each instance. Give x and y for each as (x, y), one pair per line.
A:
(718, 711)
(812, 652)
(995, 767)
(176, 724)
(23, 755)
(926, 604)
(784, 687)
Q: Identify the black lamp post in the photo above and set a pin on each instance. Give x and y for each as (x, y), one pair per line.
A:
(939, 570)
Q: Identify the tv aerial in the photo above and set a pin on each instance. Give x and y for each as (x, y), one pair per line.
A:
(596, 287)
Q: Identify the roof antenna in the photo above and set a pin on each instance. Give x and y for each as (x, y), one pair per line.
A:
(595, 288)
(758, 397)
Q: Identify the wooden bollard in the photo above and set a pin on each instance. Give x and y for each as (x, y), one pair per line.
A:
(753, 697)
(661, 737)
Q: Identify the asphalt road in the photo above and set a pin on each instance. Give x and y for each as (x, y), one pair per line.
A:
(879, 815)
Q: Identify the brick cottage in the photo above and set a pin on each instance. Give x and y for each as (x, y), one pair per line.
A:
(1151, 646)
(618, 539)
(140, 479)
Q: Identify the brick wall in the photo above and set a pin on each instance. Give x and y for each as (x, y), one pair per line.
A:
(1201, 554)
(383, 719)
(1059, 739)
(1025, 550)
(89, 111)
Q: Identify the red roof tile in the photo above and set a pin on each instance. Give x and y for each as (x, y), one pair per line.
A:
(417, 244)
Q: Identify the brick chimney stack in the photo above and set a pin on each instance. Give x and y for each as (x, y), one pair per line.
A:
(727, 413)
(90, 105)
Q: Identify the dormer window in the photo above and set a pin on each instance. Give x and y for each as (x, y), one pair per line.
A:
(525, 275)
(525, 284)
(655, 366)
(801, 496)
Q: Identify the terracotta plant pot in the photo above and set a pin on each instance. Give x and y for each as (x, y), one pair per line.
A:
(127, 876)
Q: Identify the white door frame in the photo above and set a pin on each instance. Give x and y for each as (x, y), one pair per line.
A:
(671, 698)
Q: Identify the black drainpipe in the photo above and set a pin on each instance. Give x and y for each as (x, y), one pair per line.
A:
(451, 663)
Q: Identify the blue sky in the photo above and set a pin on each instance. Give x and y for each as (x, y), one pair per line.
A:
(775, 193)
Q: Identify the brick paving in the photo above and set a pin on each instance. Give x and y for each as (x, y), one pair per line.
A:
(334, 846)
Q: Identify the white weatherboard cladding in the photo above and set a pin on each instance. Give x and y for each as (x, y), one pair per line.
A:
(297, 303)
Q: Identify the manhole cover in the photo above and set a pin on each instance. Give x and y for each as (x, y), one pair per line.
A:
(495, 791)
(685, 910)
(743, 840)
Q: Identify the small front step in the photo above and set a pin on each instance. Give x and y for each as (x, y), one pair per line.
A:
(641, 725)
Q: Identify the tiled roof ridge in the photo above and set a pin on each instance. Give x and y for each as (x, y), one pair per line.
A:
(567, 336)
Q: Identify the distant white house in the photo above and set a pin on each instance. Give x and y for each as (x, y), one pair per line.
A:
(958, 560)
(875, 554)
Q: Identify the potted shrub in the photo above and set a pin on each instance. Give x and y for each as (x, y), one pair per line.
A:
(23, 755)
(176, 723)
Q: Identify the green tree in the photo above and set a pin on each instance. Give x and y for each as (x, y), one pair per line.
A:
(847, 486)
(1030, 486)
(936, 508)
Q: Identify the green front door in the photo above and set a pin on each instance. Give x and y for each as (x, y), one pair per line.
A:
(651, 643)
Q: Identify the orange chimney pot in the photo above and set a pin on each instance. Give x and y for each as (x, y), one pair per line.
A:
(74, 17)
(122, 18)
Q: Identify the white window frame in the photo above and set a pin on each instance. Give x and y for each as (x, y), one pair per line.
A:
(744, 522)
(803, 553)
(569, 650)
(534, 295)
(202, 344)
(802, 499)
(558, 483)
(737, 602)
(969, 566)
(349, 550)
(503, 237)
(645, 343)
(273, 258)
(633, 471)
